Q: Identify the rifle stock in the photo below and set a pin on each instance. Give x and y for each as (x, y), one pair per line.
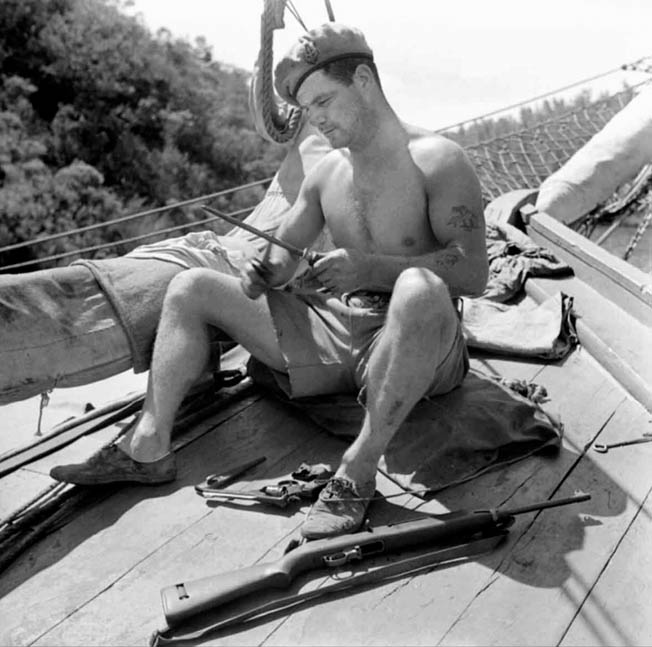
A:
(184, 600)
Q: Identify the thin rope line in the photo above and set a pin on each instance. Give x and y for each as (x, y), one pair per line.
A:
(526, 101)
(329, 10)
(292, 9)
(134, 216)
(122, 241)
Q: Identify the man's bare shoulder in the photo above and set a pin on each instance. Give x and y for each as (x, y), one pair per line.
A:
(448, 172)
(324, 170)
(435, 153)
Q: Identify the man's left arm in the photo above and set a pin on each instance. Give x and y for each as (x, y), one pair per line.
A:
(455, 211)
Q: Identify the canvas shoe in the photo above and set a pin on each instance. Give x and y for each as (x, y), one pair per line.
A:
(111, 465)
(340, 508)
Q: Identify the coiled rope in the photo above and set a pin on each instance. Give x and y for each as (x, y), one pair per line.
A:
(278, 127)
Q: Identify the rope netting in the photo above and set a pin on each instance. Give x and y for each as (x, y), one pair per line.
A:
(525, 158)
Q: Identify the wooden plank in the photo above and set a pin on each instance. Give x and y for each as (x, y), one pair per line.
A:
(35, 475)
(536, 593)
(225, 539)
(427, 609)
(625, 285)
(617, 610)
(621, 343)
(133, 562)
(80, 561)
(76, 624)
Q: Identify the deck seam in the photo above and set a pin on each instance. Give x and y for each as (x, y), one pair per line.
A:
(493, 577)
(114, 582)
(605, 565)
(171, 539)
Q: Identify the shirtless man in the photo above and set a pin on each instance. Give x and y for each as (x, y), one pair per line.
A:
(404, 209)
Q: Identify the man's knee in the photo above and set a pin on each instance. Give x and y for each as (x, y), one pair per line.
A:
(421, 309)
(421, 292)
(192, 288)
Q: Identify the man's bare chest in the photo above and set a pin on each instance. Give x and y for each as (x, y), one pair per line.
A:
(387, 213)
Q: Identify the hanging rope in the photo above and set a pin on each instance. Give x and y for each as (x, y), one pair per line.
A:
(329, 10)
(293, 10)
(281, 125)
(279, 128)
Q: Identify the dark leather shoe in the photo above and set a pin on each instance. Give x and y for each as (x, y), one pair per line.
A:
(111, 465)
(340, 509)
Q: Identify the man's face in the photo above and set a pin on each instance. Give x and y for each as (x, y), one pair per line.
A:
(332, 107)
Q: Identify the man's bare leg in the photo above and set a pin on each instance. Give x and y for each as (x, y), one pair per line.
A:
(195, 299)
(419, 332)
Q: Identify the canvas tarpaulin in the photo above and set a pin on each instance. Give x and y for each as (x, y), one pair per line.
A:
(483, 424)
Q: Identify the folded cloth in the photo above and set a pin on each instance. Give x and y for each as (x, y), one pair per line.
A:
(544, 330)
(519, 329)
(513, 257)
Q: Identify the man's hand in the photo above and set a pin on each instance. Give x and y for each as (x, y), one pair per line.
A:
(272, 269)
(343, 270)
(255, 278)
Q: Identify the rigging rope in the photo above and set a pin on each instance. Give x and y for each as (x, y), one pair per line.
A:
(135, 216)
(293, 10)
(124, 241)
(545, 95)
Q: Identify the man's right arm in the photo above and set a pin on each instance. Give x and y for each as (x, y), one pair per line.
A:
(300, 228)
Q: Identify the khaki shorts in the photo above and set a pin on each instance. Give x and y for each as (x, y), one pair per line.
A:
(326, 342)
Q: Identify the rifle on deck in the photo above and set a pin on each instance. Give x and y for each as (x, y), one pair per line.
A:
(452, 536)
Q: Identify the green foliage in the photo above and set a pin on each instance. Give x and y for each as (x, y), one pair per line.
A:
(97, 116)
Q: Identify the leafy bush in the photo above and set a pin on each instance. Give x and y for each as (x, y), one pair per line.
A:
(98, 116)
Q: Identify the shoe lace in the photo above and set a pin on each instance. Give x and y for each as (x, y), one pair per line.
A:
(339, 488)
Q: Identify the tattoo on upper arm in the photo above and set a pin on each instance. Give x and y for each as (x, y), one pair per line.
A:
(464, 218)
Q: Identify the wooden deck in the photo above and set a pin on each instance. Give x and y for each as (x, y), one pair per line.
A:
(578, 575)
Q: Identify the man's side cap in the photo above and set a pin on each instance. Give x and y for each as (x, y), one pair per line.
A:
(327, 43)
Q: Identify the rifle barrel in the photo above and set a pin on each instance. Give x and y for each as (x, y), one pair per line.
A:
(544, 505)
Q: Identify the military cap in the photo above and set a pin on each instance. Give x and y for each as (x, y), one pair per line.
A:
(315, 49)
